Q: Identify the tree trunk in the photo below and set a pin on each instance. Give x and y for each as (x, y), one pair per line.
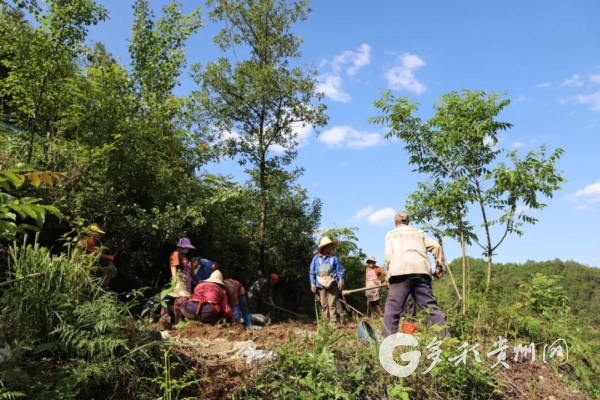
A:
(489, 272)
(464, 271)
(464, 262)
(263, 217)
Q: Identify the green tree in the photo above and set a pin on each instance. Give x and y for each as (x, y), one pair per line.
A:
(122, 139)
(42, 58)
(259, 102)
(456, 147)
(13, 208)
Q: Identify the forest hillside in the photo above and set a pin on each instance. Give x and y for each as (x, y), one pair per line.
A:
(93, 146)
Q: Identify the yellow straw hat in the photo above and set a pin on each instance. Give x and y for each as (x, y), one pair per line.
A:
(325, 241)
(95, 228)
(180, 290)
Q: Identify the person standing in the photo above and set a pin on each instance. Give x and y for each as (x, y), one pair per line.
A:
(373, 278)
(181, 273)
(409, 273)
(91, 243)
(327, 278)
(181, 268)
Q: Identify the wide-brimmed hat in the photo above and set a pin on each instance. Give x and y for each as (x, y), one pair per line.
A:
(216, 277)
(96, 229)
(180, 290)
(325, 241)
(184, 243)
(371, 259)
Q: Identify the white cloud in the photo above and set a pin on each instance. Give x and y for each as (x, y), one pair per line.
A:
(339, 135)
(303, 133)
(402, 77)
(545, 84)
(517, 145)
(488, 141)
(581, 207)
(533, 140)
(229, 135)
(592, 99)
(357, 59)
(521, 210)
(520, 99)
(595, 79)
(575, 80)
(382, 217)
(331, 86)
(592, 192)
(363, 212)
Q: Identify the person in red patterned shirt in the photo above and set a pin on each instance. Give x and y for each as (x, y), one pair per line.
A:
(207, 304)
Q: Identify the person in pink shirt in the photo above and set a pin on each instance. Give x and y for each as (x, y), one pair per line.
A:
(207, 304)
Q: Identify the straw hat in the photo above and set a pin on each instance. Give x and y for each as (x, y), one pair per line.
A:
(96, 229)
(180, 290)
(325, 241)
(216, 277)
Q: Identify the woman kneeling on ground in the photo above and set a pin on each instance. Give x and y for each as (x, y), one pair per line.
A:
(208, 304)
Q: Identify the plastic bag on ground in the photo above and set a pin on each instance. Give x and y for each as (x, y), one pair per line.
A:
(252, 354)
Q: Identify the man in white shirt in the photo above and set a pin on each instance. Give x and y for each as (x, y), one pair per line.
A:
(409, 272)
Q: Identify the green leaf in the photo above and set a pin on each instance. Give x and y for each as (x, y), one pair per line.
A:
(29, 211)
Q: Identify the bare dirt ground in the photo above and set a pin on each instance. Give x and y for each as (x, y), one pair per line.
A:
(536, 381)
(218, 349)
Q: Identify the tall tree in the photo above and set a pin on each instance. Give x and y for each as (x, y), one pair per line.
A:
(457, 148)
(258, 103)
(43, 58)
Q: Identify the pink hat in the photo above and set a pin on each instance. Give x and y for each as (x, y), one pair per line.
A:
(184, 243)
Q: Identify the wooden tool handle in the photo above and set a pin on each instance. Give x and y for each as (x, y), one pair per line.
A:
(345, 292)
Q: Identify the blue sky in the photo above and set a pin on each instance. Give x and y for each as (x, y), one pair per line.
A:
(543, 53)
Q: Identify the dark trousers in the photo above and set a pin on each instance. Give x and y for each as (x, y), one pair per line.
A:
(190, 310)
(410, 307)
(255, 306)
(419, 286)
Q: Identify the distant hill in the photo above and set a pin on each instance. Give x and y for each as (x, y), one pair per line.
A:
(580, 283)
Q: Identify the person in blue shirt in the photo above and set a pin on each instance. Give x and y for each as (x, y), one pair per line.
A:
(327, 279)
(203, 268)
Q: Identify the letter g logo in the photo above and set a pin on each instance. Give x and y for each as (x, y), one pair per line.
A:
(387, 360)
